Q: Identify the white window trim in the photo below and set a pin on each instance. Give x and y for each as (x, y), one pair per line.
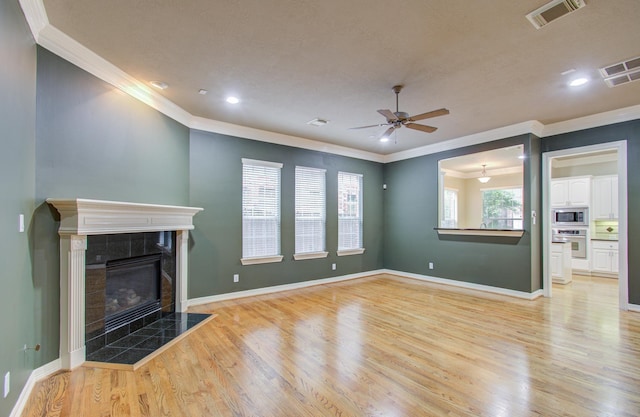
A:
(262, 163)
(272, 258)
(348, 252)
(355, 251)
(261, 260)
(310, 255)
(313, 255)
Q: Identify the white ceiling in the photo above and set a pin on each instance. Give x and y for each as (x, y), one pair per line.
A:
(291, 61)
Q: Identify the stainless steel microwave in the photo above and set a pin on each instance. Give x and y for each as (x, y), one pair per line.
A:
(570, 216)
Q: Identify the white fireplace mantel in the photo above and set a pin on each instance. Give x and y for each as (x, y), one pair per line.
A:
(82, 217)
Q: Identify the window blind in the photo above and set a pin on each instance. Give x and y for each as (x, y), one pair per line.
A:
(260, 208)
(349, 211)
(310, 205)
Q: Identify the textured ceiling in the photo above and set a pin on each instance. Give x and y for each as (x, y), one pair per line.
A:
(291, 61)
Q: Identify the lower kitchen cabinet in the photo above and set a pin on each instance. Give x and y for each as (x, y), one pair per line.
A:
(604, 257)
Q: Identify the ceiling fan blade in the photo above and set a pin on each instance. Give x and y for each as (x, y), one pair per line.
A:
(388, 114)
(422, 128)
(366, 127)
(434, 113)
(388, 132)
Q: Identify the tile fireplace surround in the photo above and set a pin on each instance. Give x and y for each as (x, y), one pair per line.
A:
(80, 218)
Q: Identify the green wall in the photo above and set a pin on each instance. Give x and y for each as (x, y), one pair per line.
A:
(93, 141)
(629, 131)
(17, 170)
(216, 185)
(411, 213)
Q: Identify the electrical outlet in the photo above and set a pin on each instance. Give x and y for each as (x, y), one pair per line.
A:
(430, 265)
(7, 384)
(21, 223)
(236, 278)
(333, 267)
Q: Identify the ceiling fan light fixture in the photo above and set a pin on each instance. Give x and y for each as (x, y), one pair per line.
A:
(484, 178)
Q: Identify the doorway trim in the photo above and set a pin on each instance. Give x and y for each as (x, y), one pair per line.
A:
(623, 262)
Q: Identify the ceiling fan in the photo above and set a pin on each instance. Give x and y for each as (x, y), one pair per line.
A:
(397, 119)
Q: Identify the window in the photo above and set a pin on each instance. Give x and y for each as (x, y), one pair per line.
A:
(310, 213)
(450, 208)
(502, 208)
(260, 212)
(349, 214)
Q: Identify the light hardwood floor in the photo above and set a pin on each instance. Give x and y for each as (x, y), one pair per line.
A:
(380, 346)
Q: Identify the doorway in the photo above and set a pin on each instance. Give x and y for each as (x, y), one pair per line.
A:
(621, 150)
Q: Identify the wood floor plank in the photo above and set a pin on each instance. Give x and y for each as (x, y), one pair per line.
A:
(379, 346)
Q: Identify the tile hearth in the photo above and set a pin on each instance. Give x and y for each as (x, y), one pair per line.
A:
(138, 345)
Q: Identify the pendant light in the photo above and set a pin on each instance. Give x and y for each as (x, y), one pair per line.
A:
(484, 178)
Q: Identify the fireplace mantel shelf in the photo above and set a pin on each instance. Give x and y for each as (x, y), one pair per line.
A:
(81, 216)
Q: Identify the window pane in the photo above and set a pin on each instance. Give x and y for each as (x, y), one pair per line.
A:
(310, 203)
(502, 208)
(450, 208)
(260, 210)
(349, 211)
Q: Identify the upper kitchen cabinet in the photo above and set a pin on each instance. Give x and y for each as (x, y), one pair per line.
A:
(605, 198)
(571, 192)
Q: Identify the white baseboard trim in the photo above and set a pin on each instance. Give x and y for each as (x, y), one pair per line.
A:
(36, 375)
(468, 285)
(278, 288)
(634, 307)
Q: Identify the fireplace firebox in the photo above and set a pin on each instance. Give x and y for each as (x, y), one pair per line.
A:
(132, 289)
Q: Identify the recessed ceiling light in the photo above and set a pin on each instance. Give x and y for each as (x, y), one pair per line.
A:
(317, 122)
(578, 82)
(202, 91)
(233, 100)
(159, 84)
(384, 139)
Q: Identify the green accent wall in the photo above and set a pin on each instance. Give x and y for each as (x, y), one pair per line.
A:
(20, 292)
(216, 242)
(629, 131)
(93, 141)
(411, 213)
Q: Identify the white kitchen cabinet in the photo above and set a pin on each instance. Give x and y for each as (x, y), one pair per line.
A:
(571, 192)
(604, 257)
(605, 198)
(561, 262)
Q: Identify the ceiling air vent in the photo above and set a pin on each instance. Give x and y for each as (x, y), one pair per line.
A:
(552, 11)
(622, 72)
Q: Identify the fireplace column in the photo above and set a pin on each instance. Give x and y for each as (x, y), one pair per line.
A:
(182, 254)
(72, 300)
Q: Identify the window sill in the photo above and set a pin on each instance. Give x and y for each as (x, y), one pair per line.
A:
(261, 260)
(480, 232)
(347, 252)
(310, 255)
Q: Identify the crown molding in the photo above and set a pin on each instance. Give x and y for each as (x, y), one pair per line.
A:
(532, 126)
(595, 120)
(36, 16)
(69, 49)
(224, 128)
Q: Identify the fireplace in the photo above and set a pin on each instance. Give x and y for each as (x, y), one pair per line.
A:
(129, 283)
(116, 226)
(132, 289)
